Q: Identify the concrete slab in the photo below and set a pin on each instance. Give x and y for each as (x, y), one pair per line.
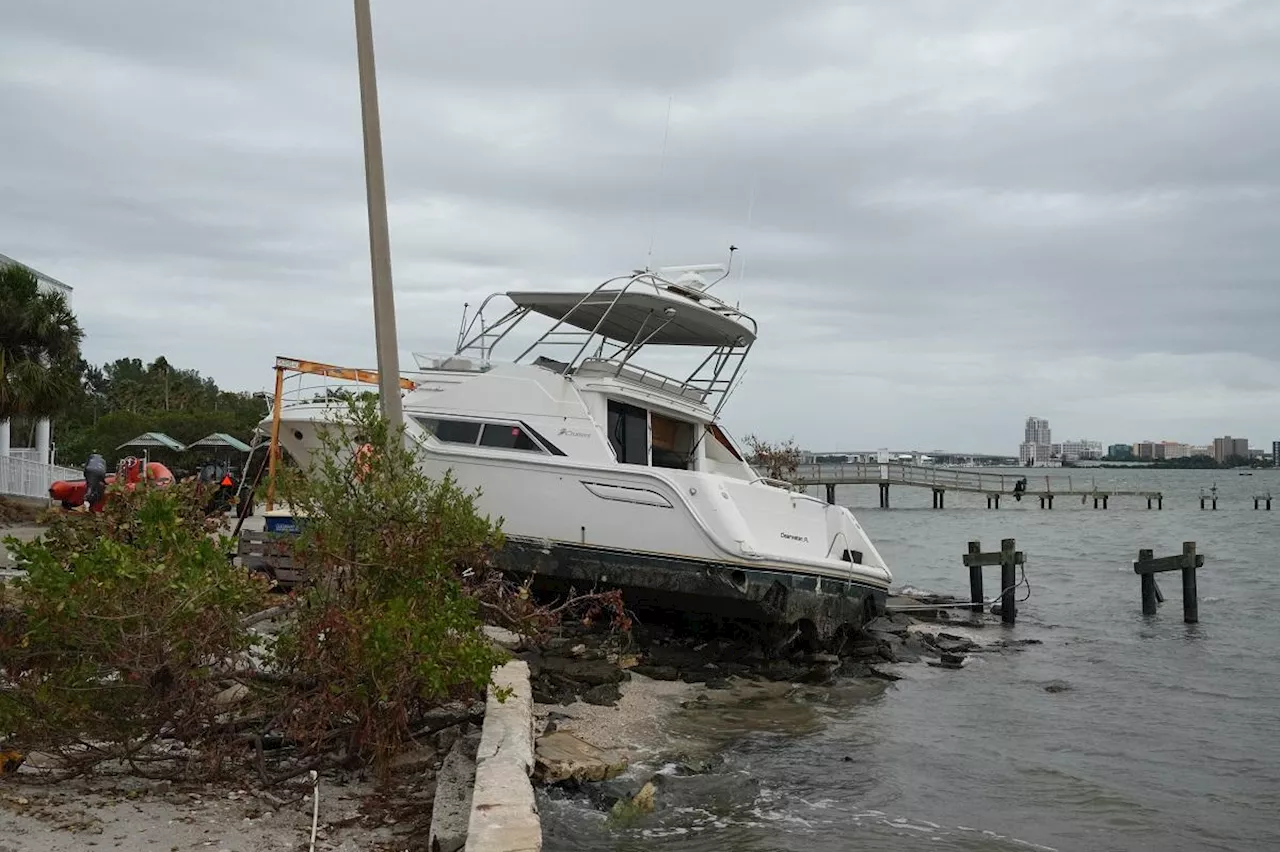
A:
(504, 814)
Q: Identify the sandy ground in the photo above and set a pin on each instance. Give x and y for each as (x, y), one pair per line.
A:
(125, 814)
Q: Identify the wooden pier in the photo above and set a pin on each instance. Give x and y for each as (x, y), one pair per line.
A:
(1041, 487)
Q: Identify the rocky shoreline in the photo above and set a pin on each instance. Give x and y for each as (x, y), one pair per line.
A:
(662, 695)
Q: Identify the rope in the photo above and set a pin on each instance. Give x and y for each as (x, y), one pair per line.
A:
(1022, 571)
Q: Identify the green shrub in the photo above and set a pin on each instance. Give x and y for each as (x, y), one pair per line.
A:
(121, 629)
(389, 624)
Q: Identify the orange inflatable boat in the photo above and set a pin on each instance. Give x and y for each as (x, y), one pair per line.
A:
(74, 493)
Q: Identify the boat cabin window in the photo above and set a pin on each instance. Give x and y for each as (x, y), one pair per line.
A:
(505, 436)
(629, 432)
(454, 431)
(672, 443)
(644, 437)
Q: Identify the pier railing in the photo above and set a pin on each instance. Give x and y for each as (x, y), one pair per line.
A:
(950, 479)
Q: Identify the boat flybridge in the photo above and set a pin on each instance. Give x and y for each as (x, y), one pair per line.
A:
(607, 473)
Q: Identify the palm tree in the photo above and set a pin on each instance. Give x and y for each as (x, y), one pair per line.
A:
(39, 347)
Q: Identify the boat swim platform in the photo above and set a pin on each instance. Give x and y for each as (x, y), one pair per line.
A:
(1044, 487)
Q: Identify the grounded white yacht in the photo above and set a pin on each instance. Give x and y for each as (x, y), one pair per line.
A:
(609, 474)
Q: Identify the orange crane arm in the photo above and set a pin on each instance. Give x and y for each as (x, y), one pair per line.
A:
(349, 373)
(316, 368)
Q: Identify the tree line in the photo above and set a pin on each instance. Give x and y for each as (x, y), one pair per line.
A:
(98, 408)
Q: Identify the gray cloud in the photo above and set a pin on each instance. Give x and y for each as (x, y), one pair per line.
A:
(952, 214)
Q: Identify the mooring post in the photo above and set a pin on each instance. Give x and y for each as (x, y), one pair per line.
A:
(1050, 501)
(1148, 502)
(1105, 497)
(1190, 601)
(1149, 597)
(1159, 502)
(1008, 580)
(831, 495)
(1095, 501)
(975, 579)
(1188, 561)
(1041, 501)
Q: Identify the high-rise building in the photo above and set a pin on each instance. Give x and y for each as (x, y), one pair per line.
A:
(1275, 453)
(1227, 447)
(1120, 451)
(1036, 447)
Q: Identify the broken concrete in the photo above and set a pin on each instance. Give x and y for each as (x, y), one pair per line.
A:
(564, 757)
(504, 814)
(451, 811)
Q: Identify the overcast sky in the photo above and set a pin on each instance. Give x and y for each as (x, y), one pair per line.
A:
(964, 212)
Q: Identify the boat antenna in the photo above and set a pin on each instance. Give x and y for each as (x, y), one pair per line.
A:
(462, 326)
(751, 212)
(662, 164)
(728, 267)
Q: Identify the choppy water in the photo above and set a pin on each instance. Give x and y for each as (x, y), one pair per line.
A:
(1168, 738)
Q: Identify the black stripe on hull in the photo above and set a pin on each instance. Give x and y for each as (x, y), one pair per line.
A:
(680, 584)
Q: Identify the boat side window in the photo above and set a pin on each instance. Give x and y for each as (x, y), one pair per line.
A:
(507, 437)
(629, 432)
(672, 442)
(454, 431)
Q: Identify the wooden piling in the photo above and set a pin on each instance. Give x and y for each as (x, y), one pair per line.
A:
(1148, 585)
(1009, 582)
(1187, 562)
(831, 495)
(1190, 596)
(1008, 558)
(975, 579)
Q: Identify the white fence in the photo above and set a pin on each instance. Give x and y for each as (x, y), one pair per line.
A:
(24, 478)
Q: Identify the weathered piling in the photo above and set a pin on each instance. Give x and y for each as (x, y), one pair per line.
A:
(1187, 562)
(993, 501)
(975, 579)
(1008, 558)
(831, 494)
(1212, 498)
(1046, 501)
(884, 495)
(1102, 497)
(939, 498)
(1261, 498)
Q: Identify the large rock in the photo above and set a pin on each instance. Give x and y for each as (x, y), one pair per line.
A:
(563, 757)
(605, 695)
(657, 672)
(451, 811)
(590, 672)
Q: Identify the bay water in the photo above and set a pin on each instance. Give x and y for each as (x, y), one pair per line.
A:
(1119, 732)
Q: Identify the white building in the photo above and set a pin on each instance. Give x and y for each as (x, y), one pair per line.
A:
(40, 453)
(1080, 450)
(1036, 448)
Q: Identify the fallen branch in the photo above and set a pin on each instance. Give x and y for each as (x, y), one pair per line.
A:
(265, 615)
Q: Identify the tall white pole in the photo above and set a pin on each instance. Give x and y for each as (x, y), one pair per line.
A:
(384, 308)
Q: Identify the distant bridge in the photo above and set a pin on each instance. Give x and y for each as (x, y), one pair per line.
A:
(942, 480)
(938, 456)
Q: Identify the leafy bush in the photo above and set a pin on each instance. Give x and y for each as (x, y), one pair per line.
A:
(121, 629)
(778, 461)
(389, 624)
